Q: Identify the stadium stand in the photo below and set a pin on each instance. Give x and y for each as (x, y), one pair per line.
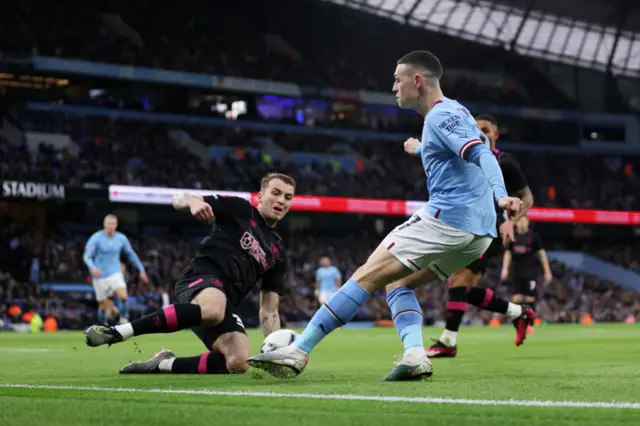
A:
(148, 131)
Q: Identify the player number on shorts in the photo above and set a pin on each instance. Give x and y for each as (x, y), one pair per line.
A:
(532, 286)
(238, 320)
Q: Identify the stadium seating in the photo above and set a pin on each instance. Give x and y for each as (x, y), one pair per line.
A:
(136, 152)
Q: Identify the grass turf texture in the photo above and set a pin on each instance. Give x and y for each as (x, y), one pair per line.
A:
(558, 363)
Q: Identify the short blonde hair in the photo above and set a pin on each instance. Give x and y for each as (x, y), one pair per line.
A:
(280, 176)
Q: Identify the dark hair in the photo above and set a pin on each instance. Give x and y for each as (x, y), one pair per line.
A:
(490, 118)
(423, 59)
(280, 176)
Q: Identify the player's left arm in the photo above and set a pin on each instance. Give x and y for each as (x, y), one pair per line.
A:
(270, 290)
(133, 258)
(413, 146)
(269, 314)
(338, 277)
(515, 177)
(526, 196)
(544, 260)
(455, 131)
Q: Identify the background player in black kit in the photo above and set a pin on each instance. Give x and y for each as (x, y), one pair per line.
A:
(462, 290)
(241, 249)
(526, 253)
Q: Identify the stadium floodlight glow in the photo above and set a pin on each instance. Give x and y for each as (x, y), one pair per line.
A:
(544, 36)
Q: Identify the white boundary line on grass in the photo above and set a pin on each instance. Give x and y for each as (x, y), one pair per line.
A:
(29, 350)
(423, 400)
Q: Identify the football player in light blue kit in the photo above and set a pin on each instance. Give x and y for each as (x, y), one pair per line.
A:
(102, 257)
(328, 280)
(454, 228)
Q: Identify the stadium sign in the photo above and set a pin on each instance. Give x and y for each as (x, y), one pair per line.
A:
(32, 190)
(314, 203)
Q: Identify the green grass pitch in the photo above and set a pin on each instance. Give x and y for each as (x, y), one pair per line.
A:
(556, 378)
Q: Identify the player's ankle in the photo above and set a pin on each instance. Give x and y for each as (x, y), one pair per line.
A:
(415, 351)
(125, 330)
(449, 338)
(166, 365)
(513, 311)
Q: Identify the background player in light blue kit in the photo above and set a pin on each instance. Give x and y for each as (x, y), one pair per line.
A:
(102, 256)
(328, 280)
(453, 229)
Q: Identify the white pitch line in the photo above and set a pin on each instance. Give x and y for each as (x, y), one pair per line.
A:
(29, 350)
(422, 400)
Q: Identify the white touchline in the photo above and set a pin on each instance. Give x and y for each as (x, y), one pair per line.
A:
(423, 400)
(34, 350)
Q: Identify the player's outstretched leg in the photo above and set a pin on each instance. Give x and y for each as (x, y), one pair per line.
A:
(167, 320)
(380, 269)
(522, 316)
(208, 307)
(459, 283)
(166, 362)
(407, 318)
(229, 350)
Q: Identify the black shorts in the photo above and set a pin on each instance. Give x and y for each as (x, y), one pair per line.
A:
(229, 324)
(480, 264)
(525, 286)
(185, 290)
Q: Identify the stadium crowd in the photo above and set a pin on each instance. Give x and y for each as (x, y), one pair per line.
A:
(263, 41)
(131, 152)
(32, 257)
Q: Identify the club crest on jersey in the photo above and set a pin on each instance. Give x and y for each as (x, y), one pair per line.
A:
(249, 243)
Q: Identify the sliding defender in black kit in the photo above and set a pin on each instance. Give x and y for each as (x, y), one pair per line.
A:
(241, 249)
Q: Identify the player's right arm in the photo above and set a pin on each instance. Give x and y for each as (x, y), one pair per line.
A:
(208, 207)
(506, 264)
(89, 251)
(195, 203)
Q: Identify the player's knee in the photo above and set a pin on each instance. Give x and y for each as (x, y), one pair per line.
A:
(213, 306)
(390, 287)
(379, 270)
(237, 364)
(212, 314)
(462, 278)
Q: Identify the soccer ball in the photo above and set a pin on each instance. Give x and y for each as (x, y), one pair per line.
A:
(278, 339)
